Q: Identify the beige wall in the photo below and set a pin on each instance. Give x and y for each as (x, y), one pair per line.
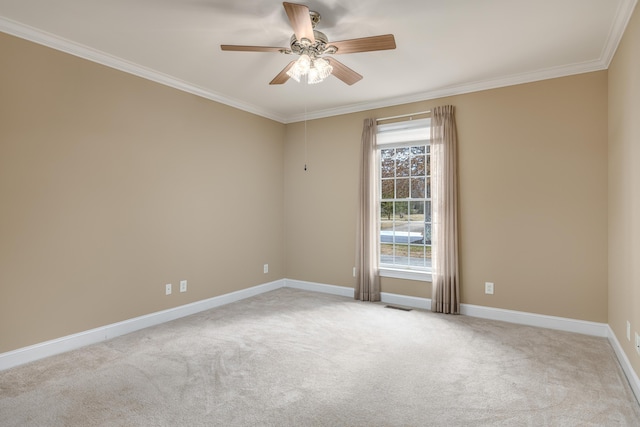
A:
(533, 189)
(624, 189)
(112, 186)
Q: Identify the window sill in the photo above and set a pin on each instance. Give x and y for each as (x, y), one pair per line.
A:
(396, 273)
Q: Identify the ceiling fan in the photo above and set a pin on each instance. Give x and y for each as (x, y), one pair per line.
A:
(310, 44)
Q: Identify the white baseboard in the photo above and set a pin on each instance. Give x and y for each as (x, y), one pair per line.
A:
(511, 316)
(404, 300)
(632, 377)
(71, 342)
(320, 287)
(518, 317)
(407, 301)
(533, 319)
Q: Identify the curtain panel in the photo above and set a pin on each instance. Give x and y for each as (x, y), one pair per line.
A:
(368, 280)
(444, 198)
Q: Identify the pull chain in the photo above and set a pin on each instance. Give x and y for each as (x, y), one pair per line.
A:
(305, 127)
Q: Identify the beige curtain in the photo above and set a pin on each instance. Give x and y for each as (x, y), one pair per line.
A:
(368, 280)
(444, 198)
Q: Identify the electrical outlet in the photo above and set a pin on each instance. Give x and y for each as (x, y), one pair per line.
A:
(354, 272)
(628, 331)
(488, 288)
(183, 286)
(637, 343)
(266, 268)
(167, 289)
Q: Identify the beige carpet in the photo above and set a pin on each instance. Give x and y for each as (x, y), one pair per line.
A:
(296, 358)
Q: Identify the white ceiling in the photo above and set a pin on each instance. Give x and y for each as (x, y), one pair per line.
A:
(444, 47)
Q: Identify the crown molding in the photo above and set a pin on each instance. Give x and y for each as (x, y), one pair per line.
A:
(619, 25)
(516, 79)
(35, 35)
(621, 20)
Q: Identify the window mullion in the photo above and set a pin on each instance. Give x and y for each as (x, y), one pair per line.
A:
(405, 169)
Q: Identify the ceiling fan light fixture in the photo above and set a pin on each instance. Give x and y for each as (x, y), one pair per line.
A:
(315, 69)
(320, 70)
(300, 68)
(311, 44)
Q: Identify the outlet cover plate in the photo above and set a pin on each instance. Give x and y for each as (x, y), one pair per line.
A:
(488, 288)
(183, 286)
(167, 289)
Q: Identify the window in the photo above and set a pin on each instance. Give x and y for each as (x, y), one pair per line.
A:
(405, 199)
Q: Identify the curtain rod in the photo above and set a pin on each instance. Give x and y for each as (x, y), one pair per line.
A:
(403, 115)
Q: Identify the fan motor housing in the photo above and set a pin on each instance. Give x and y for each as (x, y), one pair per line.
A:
(305, 46)
(312, 49)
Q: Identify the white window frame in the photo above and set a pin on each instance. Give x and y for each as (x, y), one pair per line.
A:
(398, 135)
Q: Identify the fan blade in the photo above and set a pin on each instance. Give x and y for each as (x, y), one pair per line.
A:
(282, 77)
(365, 44)
(300, 20)
(237, 48)
(343, 72)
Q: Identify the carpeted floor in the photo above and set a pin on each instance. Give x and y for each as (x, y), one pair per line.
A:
(297, 358)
